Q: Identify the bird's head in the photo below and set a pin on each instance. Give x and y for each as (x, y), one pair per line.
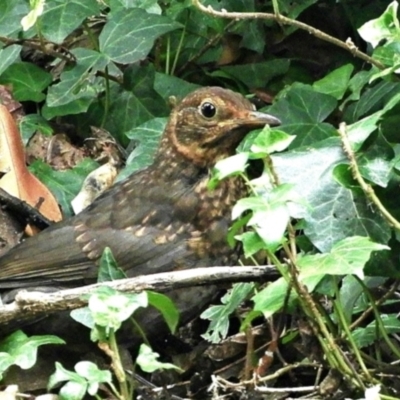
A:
(208, 124)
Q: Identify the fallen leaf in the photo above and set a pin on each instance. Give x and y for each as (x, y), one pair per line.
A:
(18, 180)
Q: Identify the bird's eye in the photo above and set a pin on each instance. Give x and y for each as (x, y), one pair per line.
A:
(208, 110)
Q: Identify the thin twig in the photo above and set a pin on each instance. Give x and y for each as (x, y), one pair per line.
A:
(378, 302)
(366, 188)
(212, 42)
(348, 45)
(36, 45)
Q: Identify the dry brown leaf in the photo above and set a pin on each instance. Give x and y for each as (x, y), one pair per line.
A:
(18, 181)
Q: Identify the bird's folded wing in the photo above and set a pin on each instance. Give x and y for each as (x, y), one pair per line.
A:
(143, 233)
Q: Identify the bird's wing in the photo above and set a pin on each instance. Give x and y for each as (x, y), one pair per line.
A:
(145, 230)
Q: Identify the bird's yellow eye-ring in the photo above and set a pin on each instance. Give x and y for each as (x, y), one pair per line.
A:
(208, 110)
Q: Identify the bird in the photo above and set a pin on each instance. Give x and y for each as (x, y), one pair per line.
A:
(162, 218)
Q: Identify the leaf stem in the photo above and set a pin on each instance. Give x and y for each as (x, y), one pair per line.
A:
(168, 56)
(178, 50)
(367, 188)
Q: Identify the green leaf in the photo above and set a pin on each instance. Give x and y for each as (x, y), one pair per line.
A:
(360, 130)
(92, 373)
(31, 123)
(228, 167)
(333, 212)
(252, 243)
(109, 269)
(366, 336)
(375, 163)
(271, 224)
(147, 360)
(151, 6)
(110, 308)
(169, 85)
(342, 174)
(73, 390)
(219, 315)
(80, 81)
(389, 56)
(8, 56)
(86, 379)
(74, 107)
(147, 136)
(136, 27)
(356, 84)
(351, 292)
(11, 13)
(19, 349)
(61, 17)
(65, 185)
(336, 82)
(271, 299)
(251, 31)
(166, 307)
(302, 111)
(136, 104)
(386, 27)
(270, 214)
(348, 256)
(83, 316)
(254, 203)
(28, 81)
(257, 74)
(37, 7)
(270, 141)
(372, 100)
(61, 375)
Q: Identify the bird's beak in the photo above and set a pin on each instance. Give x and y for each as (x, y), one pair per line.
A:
(260, 118)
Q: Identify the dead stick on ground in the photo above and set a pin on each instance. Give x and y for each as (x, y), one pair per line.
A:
(29, 304)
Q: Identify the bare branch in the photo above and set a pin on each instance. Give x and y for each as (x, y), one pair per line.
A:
(280, 19)
(29, 304)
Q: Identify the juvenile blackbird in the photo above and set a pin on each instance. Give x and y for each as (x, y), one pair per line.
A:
(162, 218)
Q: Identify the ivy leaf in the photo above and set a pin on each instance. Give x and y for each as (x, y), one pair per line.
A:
(37, 7)
(366, 336)
(60, 17)
(257, 74)
(386, 27)
(270, 141)
(302, 111)
(8, 56)
(19, 349)
(28, 81)
(230, 166)
(136, 27)
(109, 269)
(11, 13)
(147, 360)
(348, 256)
(147, 138)
(136, 103)
(336, 82)
(166, 307)
(219, 315)
(110, 308)
(271, 299)
(80, 81)
(333, 212)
